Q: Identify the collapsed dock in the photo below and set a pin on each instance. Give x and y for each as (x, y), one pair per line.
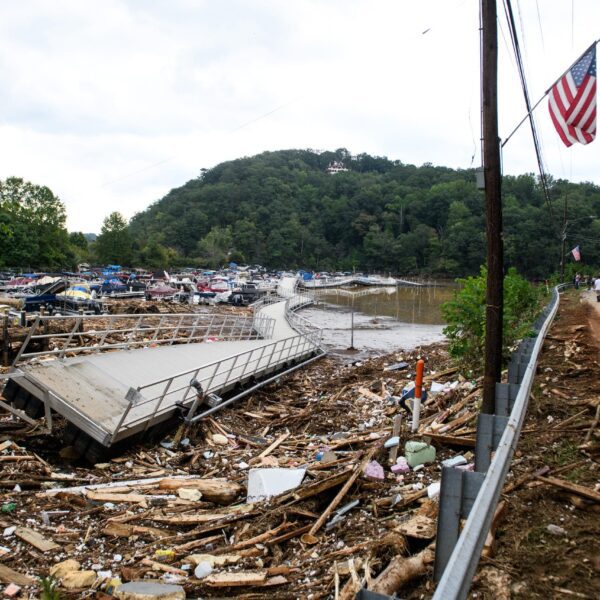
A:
(138, 371)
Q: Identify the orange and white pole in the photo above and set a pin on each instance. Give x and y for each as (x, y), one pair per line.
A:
(418, 390)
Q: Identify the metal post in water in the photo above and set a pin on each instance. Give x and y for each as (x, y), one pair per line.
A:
(352, 326)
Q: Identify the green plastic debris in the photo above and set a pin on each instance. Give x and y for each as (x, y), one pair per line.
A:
(419, 453)
(9, 507)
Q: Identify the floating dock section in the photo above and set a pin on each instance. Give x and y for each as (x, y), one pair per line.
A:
(142, 370)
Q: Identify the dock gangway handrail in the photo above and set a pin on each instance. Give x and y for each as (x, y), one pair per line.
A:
(224, 373)
(135, 331)
(457, 576)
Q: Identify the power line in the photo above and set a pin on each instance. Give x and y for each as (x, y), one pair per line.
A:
(538, 151)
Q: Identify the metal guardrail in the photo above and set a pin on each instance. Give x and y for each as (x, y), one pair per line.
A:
(457, 575)
(136, 331)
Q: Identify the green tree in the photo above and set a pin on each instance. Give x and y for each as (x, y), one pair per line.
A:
(114, 244)
(32, 226)
(215, 247)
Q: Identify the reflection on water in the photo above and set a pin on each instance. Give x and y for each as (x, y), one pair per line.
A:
(405, 304)
(385, 319)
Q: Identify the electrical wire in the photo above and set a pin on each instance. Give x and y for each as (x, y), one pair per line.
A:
(536, 142)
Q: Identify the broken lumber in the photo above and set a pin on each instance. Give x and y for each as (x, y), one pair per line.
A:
(571, 487)
(35, 539)
(219, 491)
(8, 575)
(402, 570)
(340, 495)
(236, 579)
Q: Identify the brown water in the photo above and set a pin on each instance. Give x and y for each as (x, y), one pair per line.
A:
(385, 319)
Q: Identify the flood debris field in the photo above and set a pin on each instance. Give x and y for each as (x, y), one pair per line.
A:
(180, 513)
(345, 512)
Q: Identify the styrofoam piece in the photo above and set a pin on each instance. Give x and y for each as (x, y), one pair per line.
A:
(264, 483)
(455, 461)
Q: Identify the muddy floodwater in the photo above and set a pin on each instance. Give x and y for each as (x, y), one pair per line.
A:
(385, 319)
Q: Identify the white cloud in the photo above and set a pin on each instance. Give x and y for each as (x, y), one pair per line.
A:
(112, 103)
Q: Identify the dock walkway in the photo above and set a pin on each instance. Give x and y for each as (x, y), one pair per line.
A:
(114, 394)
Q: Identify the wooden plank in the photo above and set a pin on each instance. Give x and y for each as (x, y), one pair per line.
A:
(270, 449)
(369, 394)
(237, 579)
(320, 486)
(452, 440)
(419, 527)
(126, 531)
(8, 575)
(35, 539)
(158, 566)
(571, 487)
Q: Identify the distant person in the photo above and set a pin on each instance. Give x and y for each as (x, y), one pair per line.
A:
(597, 288)
(590, 283)
(577, 280)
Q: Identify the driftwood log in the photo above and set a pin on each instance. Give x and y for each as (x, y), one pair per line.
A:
(402, 570)
(219, 491)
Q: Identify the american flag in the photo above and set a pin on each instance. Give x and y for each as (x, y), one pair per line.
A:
(576, 253)
(572, 101)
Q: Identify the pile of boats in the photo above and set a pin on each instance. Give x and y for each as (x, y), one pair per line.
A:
(70, 293)
(86, 291)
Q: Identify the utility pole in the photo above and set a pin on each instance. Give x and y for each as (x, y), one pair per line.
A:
(493, 183)
(564, 241)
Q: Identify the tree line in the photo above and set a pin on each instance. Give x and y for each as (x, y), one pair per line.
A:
(283, 210)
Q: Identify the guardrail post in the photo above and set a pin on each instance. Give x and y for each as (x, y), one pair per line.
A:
(490, 429)
(457, 494)
(506, 394)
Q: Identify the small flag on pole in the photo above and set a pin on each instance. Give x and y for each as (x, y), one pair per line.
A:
(572, 101)
(576, 253)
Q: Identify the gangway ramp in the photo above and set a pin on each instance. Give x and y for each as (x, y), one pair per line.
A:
(157, 365)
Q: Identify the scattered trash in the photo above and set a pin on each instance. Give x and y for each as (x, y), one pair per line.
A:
(433, 489)
(340, 512)
(327, 457)
(264, 483)
(391, 442)
(12, 590)
(556, 530)
(399, 366)
(373, 470)
(419, 453)
(59, 570)
(74, 580)
(202, 570)
(146, 590)
(189, 494)
(455, 461)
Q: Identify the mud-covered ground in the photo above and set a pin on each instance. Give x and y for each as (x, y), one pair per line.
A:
(548, 544)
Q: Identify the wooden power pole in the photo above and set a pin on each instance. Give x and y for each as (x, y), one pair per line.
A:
(493, 185)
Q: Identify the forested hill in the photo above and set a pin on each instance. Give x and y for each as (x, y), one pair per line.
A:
(284, 210)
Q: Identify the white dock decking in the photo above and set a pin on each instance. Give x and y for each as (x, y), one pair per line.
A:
(115, 394)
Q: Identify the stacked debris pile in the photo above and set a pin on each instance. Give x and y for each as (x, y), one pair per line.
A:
(313, 487)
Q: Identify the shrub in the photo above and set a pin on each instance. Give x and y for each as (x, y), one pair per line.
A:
(465, 316)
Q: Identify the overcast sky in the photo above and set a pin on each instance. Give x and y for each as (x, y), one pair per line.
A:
(112, 103)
